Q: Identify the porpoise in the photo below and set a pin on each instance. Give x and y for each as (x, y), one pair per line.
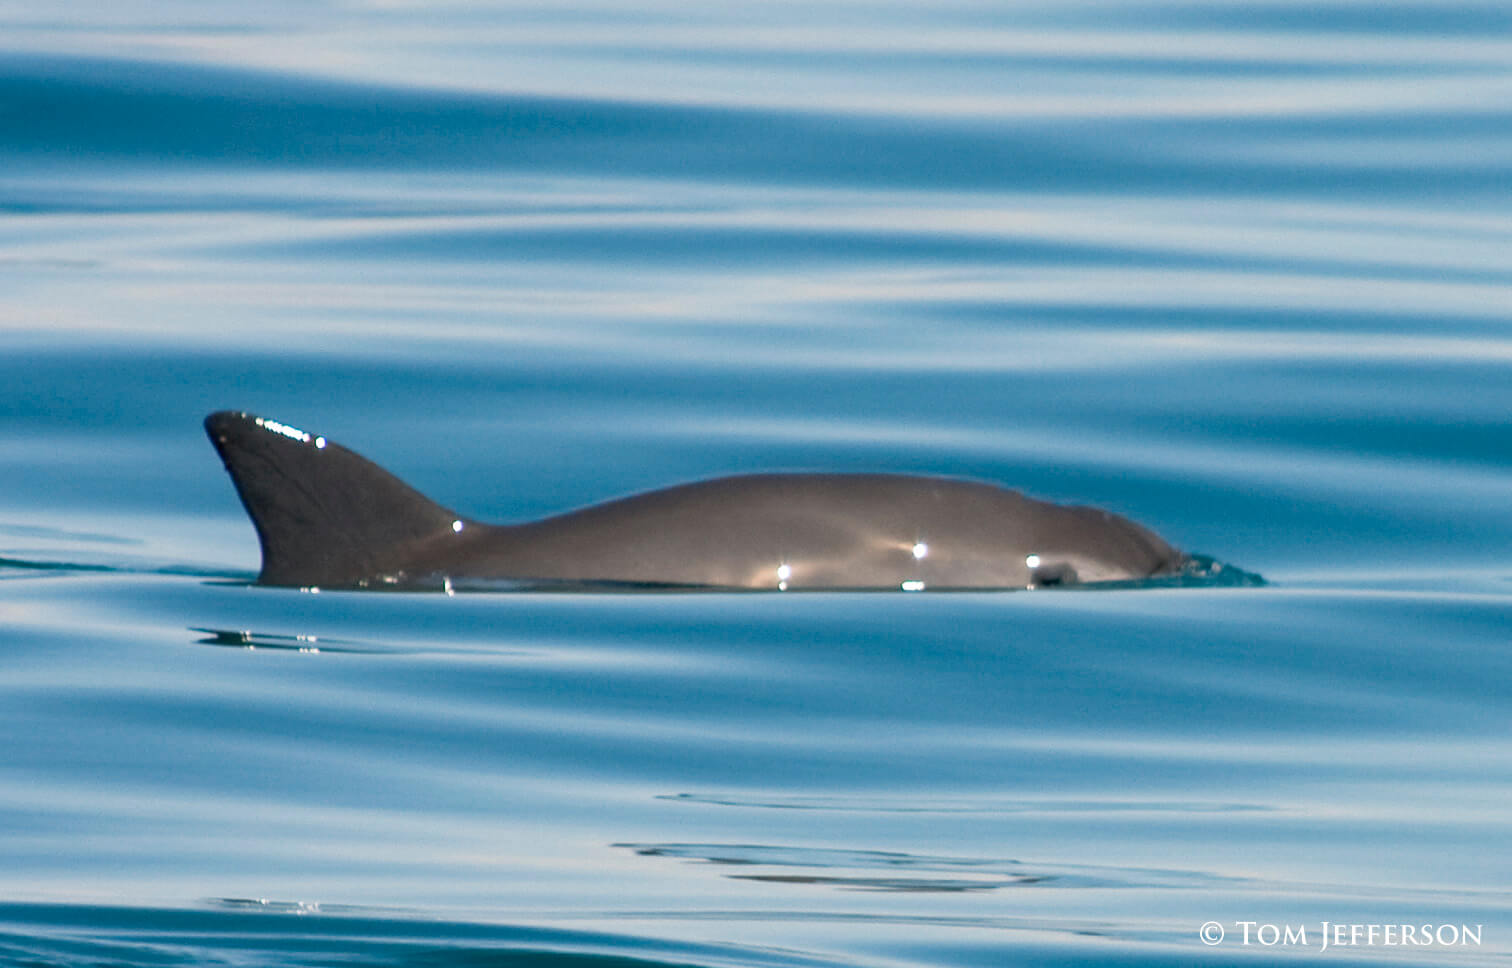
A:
(328, 517)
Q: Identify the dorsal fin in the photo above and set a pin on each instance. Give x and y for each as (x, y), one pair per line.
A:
(324, 515)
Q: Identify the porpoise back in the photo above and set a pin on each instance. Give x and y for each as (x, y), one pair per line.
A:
(327, 517)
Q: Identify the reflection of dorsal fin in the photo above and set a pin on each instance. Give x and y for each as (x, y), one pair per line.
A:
(324, 515)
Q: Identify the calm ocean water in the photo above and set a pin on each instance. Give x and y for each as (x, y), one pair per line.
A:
(1242, 272)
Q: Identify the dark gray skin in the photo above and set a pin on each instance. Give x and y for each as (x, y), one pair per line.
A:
(328, 517)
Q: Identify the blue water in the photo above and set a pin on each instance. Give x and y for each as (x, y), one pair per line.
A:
(1242, 272)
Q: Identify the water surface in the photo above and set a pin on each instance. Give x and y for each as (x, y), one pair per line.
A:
(1238, 271)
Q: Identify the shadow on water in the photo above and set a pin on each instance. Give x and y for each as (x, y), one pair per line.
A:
(247, 639)
(916, 873)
